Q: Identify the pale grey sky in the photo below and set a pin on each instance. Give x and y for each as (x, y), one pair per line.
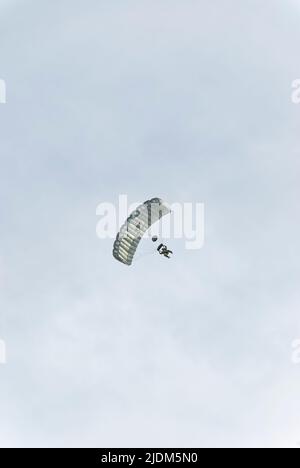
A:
(185, 100)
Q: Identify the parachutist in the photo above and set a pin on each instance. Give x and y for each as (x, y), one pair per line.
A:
(163, 250)
(135, 227)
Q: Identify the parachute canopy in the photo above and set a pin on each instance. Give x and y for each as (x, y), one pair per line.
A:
(136, 225)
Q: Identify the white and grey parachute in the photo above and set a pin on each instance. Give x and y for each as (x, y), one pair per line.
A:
(135, 227)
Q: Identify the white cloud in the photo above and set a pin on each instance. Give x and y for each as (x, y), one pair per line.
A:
(189, 101)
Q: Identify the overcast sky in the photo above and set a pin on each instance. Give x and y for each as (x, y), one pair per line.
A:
(189, 101)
